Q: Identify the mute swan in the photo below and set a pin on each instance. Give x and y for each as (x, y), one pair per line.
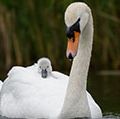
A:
(25, 95)
(79, 23)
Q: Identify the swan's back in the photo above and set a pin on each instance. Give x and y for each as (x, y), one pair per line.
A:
(25, 94)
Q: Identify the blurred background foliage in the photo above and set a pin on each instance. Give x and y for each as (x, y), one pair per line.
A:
(30, 29)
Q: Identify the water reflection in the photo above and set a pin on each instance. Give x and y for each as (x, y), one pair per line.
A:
(111, 115)
(105, 117)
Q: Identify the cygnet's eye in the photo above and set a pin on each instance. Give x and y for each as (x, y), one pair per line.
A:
(40, 67)
(47, 66)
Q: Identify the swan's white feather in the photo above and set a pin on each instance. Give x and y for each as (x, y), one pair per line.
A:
(94, 108)
(1, 83)
(26, 94)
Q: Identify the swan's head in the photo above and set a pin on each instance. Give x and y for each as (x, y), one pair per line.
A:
(44, 67)
(76, 18)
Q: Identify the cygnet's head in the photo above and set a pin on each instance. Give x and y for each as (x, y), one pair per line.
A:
(44, 67)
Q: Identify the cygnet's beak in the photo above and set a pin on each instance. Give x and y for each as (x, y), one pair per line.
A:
(44, 73)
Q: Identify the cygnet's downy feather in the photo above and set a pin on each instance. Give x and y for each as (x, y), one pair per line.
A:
(44, 67)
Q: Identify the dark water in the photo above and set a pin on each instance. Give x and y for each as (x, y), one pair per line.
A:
(105, 89)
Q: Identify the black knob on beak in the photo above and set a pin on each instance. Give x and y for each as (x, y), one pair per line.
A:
(69, 33)
(75, 27)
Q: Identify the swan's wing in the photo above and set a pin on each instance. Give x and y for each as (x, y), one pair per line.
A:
(94, 108)
(16, 71)
(60, 76)
(45, 96)
(23, 73)
(19, 69)
(15, 76)
(33, 67)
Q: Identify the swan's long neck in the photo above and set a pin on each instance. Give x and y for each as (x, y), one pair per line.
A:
(76, 103)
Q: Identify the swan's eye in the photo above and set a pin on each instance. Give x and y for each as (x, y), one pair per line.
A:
(47, 66)
(40, 67)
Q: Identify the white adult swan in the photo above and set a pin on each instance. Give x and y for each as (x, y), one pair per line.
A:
(25, 94)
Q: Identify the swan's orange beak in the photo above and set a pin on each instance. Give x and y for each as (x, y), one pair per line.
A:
(72, 45)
